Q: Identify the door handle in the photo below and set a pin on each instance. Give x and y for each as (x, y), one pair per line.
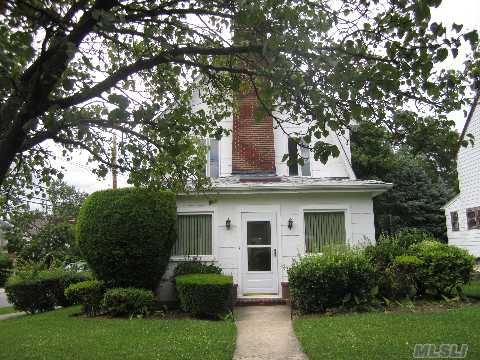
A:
(275, 252)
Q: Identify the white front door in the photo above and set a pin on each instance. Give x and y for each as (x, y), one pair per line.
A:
(259, 254)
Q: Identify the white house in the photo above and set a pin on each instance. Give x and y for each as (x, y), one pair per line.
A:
(463, 211)
(262, 214)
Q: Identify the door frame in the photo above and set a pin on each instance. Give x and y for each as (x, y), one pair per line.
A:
(252, 215)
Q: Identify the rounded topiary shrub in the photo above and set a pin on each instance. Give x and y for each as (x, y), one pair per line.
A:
(204, 294)
(321, 281)
(126, 235)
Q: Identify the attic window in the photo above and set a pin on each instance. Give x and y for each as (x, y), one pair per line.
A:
(298, 169)
(213, 158)
(473, 218)
(454, 221)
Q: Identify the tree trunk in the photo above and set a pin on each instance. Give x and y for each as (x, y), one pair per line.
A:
(9, 147)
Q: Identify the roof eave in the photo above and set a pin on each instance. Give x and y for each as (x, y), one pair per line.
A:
(375, 189)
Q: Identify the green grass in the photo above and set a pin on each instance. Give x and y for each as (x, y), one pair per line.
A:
(7, 310)
(472, 289)
(58, 335)
(385, 336)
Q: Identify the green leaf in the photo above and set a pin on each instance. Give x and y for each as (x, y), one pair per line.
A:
(442, 54)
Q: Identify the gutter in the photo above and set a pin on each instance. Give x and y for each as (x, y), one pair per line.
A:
(375, 189)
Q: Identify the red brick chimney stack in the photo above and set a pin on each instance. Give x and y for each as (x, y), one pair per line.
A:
(253, 150)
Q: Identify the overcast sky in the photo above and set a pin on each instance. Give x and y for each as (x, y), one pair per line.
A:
(466, 12)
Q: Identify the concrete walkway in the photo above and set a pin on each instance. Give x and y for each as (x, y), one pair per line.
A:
(3, 299)
(265, 332)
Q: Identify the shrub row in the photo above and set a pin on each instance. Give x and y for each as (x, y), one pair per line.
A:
(205, 294)
(95, 299)
(38, 291)
(322, 281)
(408, 264)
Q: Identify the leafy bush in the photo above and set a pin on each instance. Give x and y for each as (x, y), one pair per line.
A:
(389, 246)
(411, 236)
(402, 277)
(318, 282)
(128, 301)
(6, 267)
(38, 291)
(89, 294)
(196, 267)
(126, 235)
(64, 280)
(385, 251)
(445, 268)
(204, 294)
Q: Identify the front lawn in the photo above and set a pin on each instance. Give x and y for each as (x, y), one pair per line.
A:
(58, 335)
(387, 335)
(7, 310)
(472, 289)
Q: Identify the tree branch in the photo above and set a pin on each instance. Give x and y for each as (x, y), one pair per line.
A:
(146, 64)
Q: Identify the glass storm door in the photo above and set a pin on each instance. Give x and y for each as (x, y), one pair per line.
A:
(259, 265)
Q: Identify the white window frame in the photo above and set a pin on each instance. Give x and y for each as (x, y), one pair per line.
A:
(299, 167)
(208, 170)
(206, 258)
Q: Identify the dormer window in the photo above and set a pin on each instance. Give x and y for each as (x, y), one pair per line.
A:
(213, 159)
(294, 148)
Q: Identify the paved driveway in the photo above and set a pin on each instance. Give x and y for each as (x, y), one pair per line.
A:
(3, 299)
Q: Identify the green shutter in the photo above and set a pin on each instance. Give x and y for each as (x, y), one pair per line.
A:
(324, 229)
(194, 235)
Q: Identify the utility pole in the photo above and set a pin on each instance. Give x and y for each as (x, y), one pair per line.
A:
(114, 162)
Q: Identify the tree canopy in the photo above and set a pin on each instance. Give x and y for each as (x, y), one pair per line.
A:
(72, 72)
(420, 160)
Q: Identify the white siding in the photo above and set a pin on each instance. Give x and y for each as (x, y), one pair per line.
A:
(335, 167)
(468, 166)
(227, 243)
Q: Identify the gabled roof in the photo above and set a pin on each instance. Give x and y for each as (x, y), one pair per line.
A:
(470, 115)
(450, 202)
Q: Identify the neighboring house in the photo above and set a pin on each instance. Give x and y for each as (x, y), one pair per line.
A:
(262, 213)
(463, 211)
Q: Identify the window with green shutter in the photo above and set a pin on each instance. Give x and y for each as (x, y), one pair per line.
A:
(324, 229)
(194, 235)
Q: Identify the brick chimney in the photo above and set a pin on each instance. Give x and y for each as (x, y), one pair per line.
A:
(253, 150)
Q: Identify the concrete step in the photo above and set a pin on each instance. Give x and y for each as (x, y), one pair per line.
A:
(246, 301)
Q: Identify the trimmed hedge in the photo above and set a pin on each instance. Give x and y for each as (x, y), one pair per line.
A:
(128, 301)
(318, 282)
(89, 294)
(205, 294)
(6, 267)
(445, 270)
(126, 235)
(196, 267)
(41, 291)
